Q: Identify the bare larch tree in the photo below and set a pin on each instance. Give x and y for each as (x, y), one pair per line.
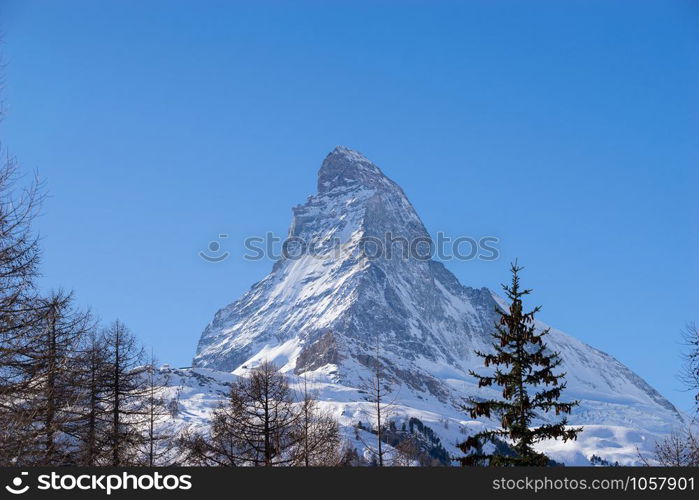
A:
(124, 394)
(318, 440)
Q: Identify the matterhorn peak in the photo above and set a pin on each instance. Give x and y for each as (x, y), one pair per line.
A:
(337, 312)
(355, 198)
(345, 167)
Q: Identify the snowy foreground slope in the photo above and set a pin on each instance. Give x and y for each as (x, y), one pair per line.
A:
(321, 314)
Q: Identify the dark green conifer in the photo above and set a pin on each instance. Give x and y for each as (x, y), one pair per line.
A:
(526, 370)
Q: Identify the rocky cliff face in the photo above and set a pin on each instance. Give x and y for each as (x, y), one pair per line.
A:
(352, 283)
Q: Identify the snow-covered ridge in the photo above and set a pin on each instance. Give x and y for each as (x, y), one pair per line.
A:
(321, 315)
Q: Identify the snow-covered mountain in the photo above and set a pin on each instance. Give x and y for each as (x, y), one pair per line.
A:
(322, 313)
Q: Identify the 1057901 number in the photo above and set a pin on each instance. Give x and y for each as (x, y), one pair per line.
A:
(661, 483)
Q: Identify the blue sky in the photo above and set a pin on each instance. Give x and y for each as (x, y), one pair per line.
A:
(566, 129)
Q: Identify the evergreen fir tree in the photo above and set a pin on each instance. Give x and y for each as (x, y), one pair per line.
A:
(523, 364)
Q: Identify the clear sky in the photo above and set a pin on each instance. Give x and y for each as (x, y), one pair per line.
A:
(567, 129)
